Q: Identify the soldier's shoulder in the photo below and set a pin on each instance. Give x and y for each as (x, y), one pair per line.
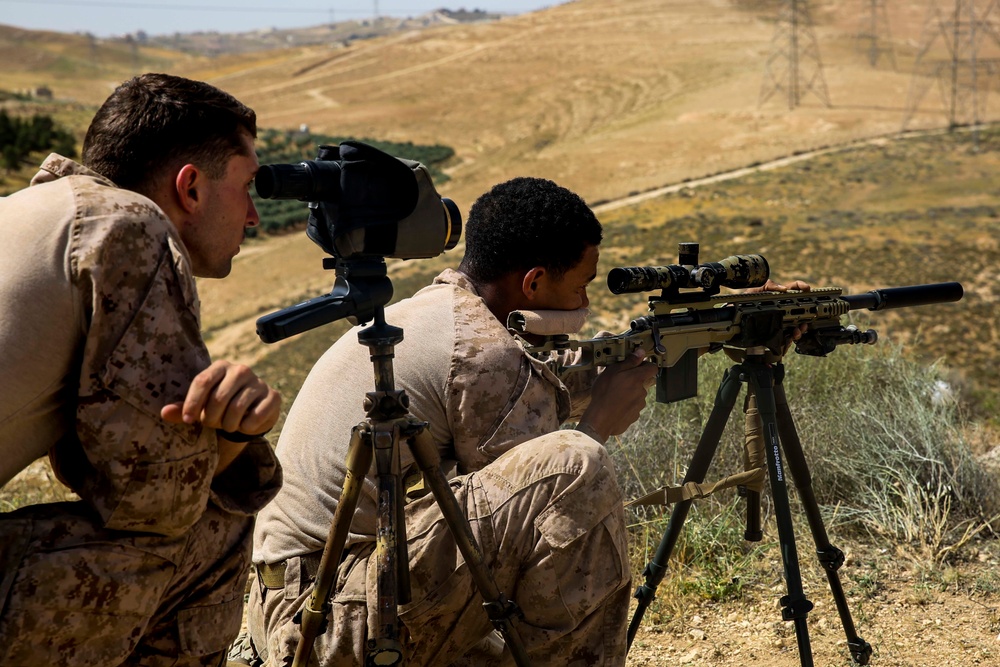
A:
(116, 222)
(96, 198)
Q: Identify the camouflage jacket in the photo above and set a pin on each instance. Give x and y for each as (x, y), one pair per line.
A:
(463, 373)
(114, 275)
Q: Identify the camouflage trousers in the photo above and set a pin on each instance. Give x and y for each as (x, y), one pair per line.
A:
(548, 517)
(74, 593)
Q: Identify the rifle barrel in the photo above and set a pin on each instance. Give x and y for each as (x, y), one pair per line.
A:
(905, 297)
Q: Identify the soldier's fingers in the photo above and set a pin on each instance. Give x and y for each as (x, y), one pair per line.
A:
(239, 388)
(263, 414)
(644, 371)
(235, 409)
(200, 391)
(247, 409)
(173, 413)
(772, 286)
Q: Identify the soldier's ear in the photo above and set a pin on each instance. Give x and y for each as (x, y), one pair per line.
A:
(530, 282)
(186, 186)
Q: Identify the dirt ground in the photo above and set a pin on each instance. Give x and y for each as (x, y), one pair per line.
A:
(908, 622)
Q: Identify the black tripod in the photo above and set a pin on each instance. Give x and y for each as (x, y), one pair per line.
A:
(763, 373)
(361, 291)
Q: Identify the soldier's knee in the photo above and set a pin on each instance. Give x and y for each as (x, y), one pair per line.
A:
(566, 449)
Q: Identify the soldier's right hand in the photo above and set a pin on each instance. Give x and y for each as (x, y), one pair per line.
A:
(619, 395)
(228, 397)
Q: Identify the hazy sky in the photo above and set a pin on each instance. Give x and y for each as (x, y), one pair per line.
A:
(116, 17)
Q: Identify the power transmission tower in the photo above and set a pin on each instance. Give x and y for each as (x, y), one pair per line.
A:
(970, 33)
(794, 65)
(873, 36)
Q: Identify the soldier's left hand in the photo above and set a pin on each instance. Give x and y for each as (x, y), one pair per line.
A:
(771, 286)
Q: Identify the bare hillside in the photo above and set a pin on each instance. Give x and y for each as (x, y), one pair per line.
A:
(605, 96)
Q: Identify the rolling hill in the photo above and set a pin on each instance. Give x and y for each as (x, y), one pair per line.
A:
(608, 97)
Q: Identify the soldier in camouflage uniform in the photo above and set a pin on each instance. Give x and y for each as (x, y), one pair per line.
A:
(105, 370)
(543, 503)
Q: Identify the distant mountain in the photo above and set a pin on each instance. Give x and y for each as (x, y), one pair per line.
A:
(340, 33)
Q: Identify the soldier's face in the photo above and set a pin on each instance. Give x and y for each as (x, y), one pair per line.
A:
(568, 291)
(225, 213)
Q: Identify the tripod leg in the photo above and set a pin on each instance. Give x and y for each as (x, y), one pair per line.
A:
(655, 570)
(753, 532)
(829, 556)
(500, 610)
(386, 648)
(753, 457)
(314, 613)
(794, 605)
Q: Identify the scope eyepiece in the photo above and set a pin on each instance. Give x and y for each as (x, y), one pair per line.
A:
(310, 180)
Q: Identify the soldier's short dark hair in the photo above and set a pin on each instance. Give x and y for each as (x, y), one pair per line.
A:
(527, 222)
(155, 122)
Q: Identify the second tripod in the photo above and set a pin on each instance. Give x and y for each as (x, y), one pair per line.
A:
(763, 374)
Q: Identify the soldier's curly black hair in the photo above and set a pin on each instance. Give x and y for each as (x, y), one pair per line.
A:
(153, 122)
(527, 222)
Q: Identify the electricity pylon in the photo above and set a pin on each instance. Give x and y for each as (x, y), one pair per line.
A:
(874, 37)
(794, 65)
(970, 33)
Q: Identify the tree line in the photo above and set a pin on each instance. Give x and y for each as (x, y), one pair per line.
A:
(20, 137)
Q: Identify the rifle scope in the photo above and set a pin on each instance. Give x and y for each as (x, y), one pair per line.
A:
(736, 271)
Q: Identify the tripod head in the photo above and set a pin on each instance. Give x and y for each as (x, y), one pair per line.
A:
(360, 289)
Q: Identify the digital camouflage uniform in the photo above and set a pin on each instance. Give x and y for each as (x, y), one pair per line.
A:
(100, 330)
(546, 511)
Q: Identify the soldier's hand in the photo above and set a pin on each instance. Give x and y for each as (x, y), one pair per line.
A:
(771, 286)
(229, 397)
(619, 395)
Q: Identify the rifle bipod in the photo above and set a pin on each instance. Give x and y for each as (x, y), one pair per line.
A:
(763, 373)
(378, 437)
